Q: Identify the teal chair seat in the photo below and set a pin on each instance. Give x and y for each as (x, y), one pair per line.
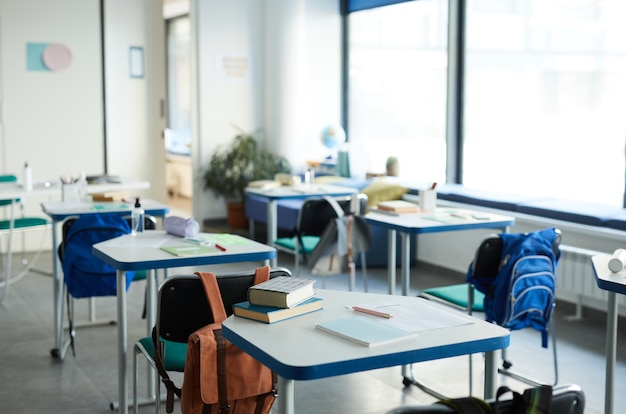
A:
(20, 223)
(456, 295)
(289, 243)
(23, 222)
(175, 352)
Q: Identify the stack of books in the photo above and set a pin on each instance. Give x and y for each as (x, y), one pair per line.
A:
(397, 207)
(278, 299)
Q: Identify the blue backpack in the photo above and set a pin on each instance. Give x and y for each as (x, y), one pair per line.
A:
(522, 292)
(84, 274)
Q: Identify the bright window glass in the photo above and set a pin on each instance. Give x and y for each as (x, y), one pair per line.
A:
(545, 98)
(397, 87)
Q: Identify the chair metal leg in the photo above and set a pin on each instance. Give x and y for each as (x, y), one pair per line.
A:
(364, 269)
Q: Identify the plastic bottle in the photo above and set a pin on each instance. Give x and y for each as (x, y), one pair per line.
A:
(82, 186)
(137, 218)
(28, 178)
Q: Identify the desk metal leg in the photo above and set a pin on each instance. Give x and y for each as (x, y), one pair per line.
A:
(272, 232)
(491, 374)
(122, 349)
(151, 301)
(391, 261)
(406, 263)
(286, 396)
(611, 351)
(57, 288)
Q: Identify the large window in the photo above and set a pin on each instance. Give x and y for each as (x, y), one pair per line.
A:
(397, 87)
(545, 98)
(544, 94)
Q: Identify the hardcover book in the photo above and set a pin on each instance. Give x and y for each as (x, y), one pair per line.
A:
(269, 314)
(398, 206)
(281, 292)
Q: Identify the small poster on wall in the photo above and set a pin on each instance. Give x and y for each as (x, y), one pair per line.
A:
(233, 67)
(136, 63)
(47, 57)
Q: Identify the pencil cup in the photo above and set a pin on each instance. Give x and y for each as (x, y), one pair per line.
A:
(427, 200)
(617, 262)
(69, 192)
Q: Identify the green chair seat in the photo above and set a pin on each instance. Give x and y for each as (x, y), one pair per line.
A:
(457, 294)
(23, 222)
(175, 353)
(308, 243)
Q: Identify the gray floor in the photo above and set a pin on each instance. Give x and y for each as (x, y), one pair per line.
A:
(34, 382)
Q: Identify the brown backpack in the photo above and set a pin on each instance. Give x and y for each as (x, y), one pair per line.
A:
(218, 376)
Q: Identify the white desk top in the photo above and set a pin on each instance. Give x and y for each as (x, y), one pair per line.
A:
(605, 279)
(59, 210)
(442, 219)
(143, 252)
(295, 349)
(302, 191)
(15, 190)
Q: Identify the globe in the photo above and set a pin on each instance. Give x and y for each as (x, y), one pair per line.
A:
(333, 136)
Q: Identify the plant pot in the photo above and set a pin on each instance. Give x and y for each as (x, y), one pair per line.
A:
(236, 216)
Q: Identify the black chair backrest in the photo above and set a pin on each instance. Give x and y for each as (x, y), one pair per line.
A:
(183, 307)
(316, 213)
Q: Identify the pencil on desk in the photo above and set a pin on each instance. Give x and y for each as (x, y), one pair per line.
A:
(372, 312)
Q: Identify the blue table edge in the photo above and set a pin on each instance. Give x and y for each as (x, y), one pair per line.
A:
(359, 365)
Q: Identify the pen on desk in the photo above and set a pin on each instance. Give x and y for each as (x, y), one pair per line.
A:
(432, 187)
(372, 312)
(220, 247)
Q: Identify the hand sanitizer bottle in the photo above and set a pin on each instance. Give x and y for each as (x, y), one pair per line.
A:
(28, 178)
(136, 221)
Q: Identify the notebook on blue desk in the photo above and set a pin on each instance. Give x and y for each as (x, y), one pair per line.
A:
(364, 331)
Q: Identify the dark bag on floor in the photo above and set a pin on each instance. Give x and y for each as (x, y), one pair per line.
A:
(534, 401)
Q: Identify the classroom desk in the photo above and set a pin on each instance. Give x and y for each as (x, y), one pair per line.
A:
(143, 252)
(296, 350)
(301, 191)
(59, 211)
(613, 283)
(440, 220)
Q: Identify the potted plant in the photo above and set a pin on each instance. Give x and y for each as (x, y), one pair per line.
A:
(230, 170)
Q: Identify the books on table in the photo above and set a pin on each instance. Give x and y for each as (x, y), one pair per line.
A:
(269, 314)
(281, 292)
(364, 331)
(398, 206)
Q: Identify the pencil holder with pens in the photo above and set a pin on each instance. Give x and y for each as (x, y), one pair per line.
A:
(427, 199)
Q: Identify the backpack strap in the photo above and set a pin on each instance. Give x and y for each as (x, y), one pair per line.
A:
(517, 405)
(538, 399)
(262, 274)
(212, 292)
(172, 389)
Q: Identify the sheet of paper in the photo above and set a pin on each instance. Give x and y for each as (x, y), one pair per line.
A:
(417, 316)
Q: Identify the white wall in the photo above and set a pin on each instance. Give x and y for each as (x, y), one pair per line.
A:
(55, 120)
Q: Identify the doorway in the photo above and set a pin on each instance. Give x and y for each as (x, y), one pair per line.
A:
(178, 166)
